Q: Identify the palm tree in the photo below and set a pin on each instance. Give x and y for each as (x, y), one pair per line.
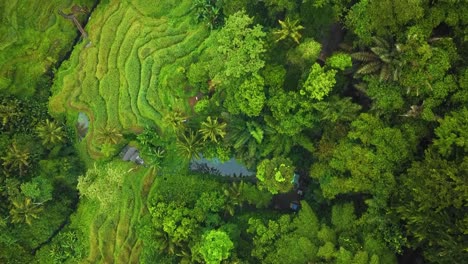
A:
(382, 59)
(211, 129)
(7, 112)
(24, 211)
(234, 199)
(288, 29)
(189, 145)
(16, 158)
(109, 135)
(174, 120)
(246, 139)
(50, 133)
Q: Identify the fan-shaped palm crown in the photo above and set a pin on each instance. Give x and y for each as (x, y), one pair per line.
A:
(382, 59)
(212, 129)
(289, 29)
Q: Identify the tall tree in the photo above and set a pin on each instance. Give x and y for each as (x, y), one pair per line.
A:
(212, 129)
(50, 132)
(17, 159)
(289, 29)
(109, 135)
(275, 175)
(24, 211)
(215, 246)
(189, 145)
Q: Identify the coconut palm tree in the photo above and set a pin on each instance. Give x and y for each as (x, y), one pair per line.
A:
(289, 29)
(50, 132)
(174, 120)
(212, 129)
(109, 135)
(24, 211)
(16, 158)
(189, 145)
(234, 199)
(382, 59)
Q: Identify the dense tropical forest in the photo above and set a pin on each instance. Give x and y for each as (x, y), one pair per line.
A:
(350, 117)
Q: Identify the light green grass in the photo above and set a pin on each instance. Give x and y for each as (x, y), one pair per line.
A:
(121, 77)
(124, 79)
(33, 38)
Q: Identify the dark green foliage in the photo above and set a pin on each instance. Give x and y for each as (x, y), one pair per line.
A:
(208, 11)
(383, 59)
(432, 204)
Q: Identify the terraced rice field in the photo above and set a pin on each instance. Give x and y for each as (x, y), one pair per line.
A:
(112, 234)
(121, 75)
(33, 31)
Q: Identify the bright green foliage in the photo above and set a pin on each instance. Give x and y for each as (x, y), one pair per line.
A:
(453, 134)
(326, 234)
(175, 220)
(319, 83)
(174, 120)
(215, 246)
(240, 46)
(340, 61)
(248, 98)
(291, 113)
(102, 184)
(368, 158)
(275, 175)
(24, 211)
(39, 189)
(383, 18)
(289, 29)
(50, 132)
(108, 150)
(285, 239)
(326, 251)
(305, 53)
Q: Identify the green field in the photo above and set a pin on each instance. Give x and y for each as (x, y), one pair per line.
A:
(118, 76)
(33, 31)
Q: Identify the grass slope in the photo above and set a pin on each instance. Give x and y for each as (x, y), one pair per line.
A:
(111, 235)
(121, 79)
(33, 31)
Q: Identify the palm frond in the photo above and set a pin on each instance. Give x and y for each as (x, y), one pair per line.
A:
(364, 56)
(370, 67)
(381, 42)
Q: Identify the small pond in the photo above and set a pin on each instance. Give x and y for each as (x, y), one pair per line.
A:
(229, 168)
(82, 125)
